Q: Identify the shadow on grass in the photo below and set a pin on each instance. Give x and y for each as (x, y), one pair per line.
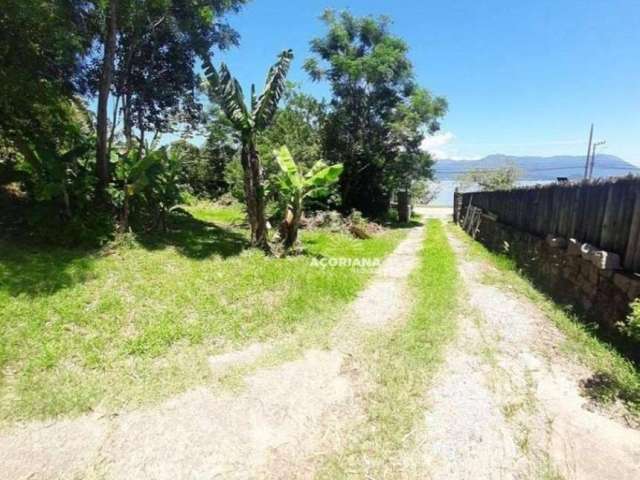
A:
(42, 270)
(400, 226)
(195, 238)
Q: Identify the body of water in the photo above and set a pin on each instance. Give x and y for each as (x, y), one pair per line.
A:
(447, 187)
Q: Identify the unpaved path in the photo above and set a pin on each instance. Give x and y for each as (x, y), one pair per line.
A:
(275, 427)
(506, 404)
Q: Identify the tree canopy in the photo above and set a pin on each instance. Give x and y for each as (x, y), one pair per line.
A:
(502, 178)
(379, 115)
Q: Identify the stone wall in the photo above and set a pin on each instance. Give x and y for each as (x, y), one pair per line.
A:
(569, 271)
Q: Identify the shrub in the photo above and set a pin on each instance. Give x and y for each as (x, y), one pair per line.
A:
(632, 327)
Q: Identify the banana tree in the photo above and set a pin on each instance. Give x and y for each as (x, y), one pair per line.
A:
(227, 92)
(133, 174)
(295, 187)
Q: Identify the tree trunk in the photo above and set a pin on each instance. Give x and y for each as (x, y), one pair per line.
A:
(254, 193)
(124, 217)
(291, 223)
(106, 78)
(127, 121)
(404, 206)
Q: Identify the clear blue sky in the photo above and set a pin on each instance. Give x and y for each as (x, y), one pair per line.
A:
(521, 77)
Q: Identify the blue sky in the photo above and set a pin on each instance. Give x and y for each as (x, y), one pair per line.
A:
(521, 77)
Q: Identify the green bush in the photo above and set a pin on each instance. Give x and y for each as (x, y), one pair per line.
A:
(632, 327)
(146, 187)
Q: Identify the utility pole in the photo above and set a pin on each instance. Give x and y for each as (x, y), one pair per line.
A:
(593, 156)
(586, 165)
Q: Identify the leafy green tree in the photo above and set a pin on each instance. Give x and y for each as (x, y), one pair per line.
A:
(294, 187)
(298, 124)
(41, 45)
(203, 168)
(502, 178)
(378, 116)
(150, 48)
(248, 121)
(424, 192)
(220, 149)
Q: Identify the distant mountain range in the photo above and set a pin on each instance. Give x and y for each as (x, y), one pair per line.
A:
(538, 168)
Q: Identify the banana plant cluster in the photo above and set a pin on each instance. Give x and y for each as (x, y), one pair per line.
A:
(248, 121)
(149, 180)
(294, 187)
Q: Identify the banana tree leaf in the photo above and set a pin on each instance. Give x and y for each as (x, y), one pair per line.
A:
(320, 192)
(141, 167)
(289, 168)
(267, 104)
(325, 176)
(232, 100)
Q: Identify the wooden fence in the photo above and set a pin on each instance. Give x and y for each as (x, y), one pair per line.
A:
(605, 214)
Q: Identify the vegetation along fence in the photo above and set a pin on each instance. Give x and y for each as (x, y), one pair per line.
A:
(605, 214)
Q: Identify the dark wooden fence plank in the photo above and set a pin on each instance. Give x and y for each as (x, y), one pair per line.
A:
(605, 214)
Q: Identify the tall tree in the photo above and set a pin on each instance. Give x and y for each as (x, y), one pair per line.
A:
(298, 125)
(153, 82)
(378, 116)
(106, 78)
(248, 121)
(42, 43)
(42, 121)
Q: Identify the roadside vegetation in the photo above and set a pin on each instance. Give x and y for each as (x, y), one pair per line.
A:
(401, 365)
(615, 378)
(87, 329)
(127, 256)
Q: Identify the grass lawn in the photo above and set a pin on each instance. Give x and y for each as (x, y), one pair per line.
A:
(616, 377)
(84, 330)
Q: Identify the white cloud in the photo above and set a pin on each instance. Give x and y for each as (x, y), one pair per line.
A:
(437, 144)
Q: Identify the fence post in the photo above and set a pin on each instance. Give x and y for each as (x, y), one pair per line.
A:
(457, 205)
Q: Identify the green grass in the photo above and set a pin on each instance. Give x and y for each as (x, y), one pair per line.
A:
(615, 376)
(135, 322)
(401, 366)
(230, 215)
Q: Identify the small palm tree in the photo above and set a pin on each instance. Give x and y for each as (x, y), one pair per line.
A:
(227, 92)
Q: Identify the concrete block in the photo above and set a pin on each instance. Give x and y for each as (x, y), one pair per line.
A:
(605, 260)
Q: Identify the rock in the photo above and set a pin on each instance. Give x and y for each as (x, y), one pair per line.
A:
(556, 242)
(622, 281)
(634, 289)
(574, 248)
(586, 250)
(359, 232)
